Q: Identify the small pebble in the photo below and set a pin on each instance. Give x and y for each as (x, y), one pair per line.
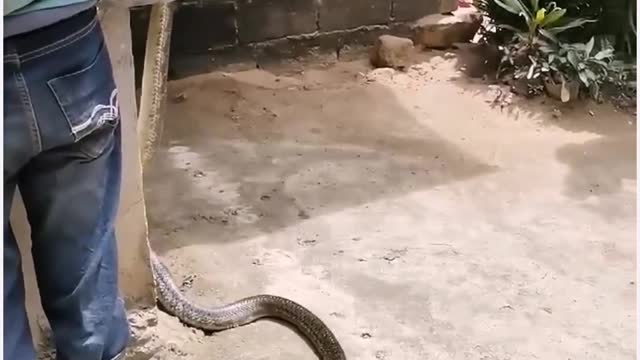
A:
(179, 98)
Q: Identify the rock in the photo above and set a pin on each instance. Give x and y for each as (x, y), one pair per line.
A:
(180, 98)
(380, 74)
(391, 51)
(145, 343)
(440, 31)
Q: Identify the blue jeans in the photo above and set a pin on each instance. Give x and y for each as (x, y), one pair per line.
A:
(62, 150)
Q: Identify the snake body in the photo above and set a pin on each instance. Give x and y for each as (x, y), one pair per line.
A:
(243, 312)
(169, 296)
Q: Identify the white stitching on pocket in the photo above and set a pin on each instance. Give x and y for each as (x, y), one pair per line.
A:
(105, 112)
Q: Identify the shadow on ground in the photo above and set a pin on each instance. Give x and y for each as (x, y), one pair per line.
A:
(251, 153)
(600, 164)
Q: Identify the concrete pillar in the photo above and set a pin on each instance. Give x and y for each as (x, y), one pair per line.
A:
(135, 273)
(136, 277)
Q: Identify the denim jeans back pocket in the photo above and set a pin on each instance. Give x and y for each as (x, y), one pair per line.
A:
(89, 100)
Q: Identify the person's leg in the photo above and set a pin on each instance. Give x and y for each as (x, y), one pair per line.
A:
(71, 188)
(19, 145)
(71, 206)
(17, 334)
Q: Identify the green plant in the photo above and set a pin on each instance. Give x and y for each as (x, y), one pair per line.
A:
(615, 18)
(520, 62)
(546, 21)
(536, 38)
(589, 64)
(506, 16)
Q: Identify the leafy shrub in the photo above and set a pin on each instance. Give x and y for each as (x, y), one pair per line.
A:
(548, 21)
(616, 19)
(585, 63)
(534, 40)
(583, 9)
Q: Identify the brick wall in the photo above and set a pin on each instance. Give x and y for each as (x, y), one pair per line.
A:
(210, 33)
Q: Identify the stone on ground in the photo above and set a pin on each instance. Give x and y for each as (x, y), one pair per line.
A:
(391, 51)
(441, 31)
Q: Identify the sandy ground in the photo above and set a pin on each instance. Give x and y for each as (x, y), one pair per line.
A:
(421, 215)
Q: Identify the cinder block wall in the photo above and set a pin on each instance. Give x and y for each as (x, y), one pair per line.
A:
(210, 33)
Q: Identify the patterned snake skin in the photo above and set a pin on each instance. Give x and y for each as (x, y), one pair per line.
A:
(241, 312)
(245, 311)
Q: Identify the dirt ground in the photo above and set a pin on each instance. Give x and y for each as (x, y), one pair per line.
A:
(420, 214)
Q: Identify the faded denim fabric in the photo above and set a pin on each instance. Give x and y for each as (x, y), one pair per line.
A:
(62, 150)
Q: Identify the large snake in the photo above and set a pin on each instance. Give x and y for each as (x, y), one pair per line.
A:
(169, 296)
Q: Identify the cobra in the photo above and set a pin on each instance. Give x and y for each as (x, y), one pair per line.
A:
(169, 296)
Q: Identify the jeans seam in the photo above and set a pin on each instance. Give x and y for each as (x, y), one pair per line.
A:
(60, 44)
(77, 129)
(25, 98)
(119, 356)
(10, 58)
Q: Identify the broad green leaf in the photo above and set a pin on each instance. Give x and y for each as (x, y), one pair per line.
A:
(546, 49)
(565, 95)
(540, 16)
(583, 77)
(570, 25)
(530, 72)
(604, 54)
(522, 36)
(541, 42)
(573, 59)
(524, 8)
(510, 6)
(579, 47)
(589, 47)
(548, 35)
(506, 58)
(509, 27)
(515, 7)
(553, 16)
(534, 5)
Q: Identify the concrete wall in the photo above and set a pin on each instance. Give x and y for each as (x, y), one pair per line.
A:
(135, 273)
(210, 33)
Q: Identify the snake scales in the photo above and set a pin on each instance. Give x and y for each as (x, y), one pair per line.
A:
(241, 312)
